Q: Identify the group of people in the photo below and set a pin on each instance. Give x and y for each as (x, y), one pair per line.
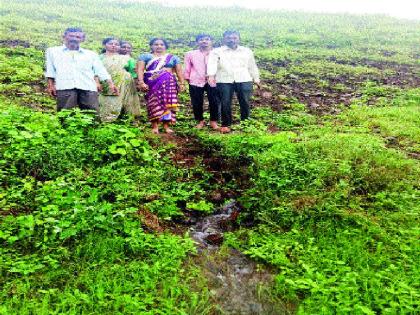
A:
(109, 83)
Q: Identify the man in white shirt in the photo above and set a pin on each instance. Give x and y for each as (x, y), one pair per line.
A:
(233, 69)
(71, 72)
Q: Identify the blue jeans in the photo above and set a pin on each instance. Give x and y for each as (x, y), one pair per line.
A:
(243, 92)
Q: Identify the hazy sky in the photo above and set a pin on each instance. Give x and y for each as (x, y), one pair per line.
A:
(399, 8)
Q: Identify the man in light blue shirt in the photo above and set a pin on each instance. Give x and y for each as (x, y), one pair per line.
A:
(71, 72)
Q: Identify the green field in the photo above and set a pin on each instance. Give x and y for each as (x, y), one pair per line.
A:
(326, 172)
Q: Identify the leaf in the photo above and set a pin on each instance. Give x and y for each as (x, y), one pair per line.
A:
(135, 142)
(117, 150)
(365, 309)
(200, 206)
(121, 151)
(26, 134)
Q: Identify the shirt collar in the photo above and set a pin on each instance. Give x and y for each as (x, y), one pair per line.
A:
(205, 53)
(225, 47)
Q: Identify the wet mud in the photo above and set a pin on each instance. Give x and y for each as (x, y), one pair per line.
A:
(238, 284)
(342, 89)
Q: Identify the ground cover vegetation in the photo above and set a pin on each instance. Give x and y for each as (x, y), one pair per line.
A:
(326, 172)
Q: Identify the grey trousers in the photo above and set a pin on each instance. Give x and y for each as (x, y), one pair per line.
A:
(67, 99)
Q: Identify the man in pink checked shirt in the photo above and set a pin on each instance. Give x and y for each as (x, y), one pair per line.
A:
(195, 74)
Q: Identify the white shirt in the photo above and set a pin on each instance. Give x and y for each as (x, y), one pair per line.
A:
(233, 65)
(74, 69)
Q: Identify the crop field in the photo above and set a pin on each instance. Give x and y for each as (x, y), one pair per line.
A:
(324, 178)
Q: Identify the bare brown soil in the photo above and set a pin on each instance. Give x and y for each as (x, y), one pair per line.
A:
(405, 75)
(14, 43)
(341, 90)
(188, 152)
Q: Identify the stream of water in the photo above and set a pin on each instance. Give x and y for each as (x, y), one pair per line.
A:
(237, 282)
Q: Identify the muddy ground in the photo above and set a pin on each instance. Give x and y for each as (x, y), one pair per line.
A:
(342, 89)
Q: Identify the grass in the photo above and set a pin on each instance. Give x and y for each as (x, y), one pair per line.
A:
(337, 211)
(396, 120)
(332, 190)
(72, 240)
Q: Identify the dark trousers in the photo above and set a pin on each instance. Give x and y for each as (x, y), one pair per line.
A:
(243, 92)
(67, 99)
(197, 101)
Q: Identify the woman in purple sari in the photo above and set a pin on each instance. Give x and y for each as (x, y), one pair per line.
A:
(156, 76)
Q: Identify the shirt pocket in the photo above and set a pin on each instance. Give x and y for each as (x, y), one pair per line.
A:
(85, 63)
(226, 63)
(242, 61)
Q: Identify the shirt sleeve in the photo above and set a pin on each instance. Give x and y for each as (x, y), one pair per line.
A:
(175, 60)
(145, 58)
(187, 62)
(212, 63)
(50, 69)
(253, 69)
(99, 69)
(131, 68)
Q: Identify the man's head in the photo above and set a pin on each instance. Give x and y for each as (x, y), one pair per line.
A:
(204, 41)
(72, 37)
(231, 39)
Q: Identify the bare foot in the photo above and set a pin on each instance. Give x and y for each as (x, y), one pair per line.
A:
(213, 125)
(225, 130)
(155, 131)
(200, 125)
(169, 130)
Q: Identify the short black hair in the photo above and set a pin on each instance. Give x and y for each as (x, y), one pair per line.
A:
(202, 35)
(230, 32)
(153, 40)
(108, 39)
(73, 30)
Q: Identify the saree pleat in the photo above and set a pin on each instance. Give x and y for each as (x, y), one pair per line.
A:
(162, 97)
(128, 100)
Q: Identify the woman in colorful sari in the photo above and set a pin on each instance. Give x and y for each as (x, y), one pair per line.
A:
(156, 76)
(122, 70)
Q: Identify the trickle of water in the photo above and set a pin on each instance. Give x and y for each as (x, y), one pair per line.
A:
(208, 232)
(235, 281)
